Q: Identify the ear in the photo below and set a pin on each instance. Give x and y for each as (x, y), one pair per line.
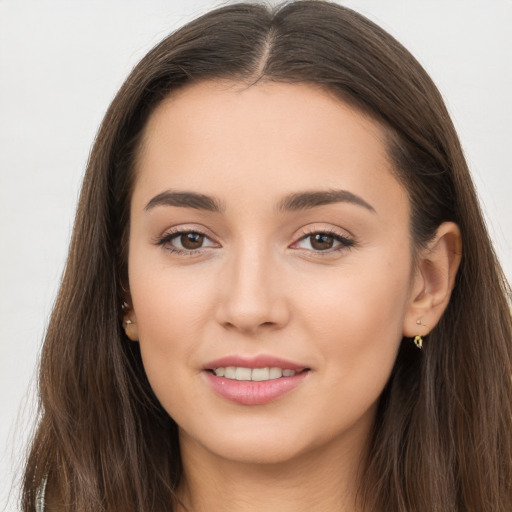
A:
(433, 280)
(130, 320)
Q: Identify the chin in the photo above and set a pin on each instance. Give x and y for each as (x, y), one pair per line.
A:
(259, 455)
(270, 447)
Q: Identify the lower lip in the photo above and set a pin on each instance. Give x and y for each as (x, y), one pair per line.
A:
(247, 392)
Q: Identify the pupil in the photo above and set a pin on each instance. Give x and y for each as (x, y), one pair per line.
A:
(192, 240)
(321, 241)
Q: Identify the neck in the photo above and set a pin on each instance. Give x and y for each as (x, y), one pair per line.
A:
(322, 480)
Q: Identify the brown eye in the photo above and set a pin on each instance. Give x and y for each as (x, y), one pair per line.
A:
(191, 241)
(186, 242)
(321, 241)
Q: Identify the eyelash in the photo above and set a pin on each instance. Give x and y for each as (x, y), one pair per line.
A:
(345, 243)
(165, 241)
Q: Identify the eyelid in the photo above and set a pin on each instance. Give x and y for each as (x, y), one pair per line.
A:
(342, 236)
(346, 240)
(175, 231)
(320, 227)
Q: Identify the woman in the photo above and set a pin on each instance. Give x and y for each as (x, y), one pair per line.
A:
(280, 293)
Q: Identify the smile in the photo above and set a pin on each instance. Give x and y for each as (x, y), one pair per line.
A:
(254, 380)
(253, 374)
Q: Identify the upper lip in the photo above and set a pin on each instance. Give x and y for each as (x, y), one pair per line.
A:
(259, 361)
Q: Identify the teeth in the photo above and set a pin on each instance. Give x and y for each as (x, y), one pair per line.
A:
(254, 374)
(275, 373)
(243, 374)
(260, 374)
(229, 372)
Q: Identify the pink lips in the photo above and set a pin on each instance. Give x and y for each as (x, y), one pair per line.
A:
(252, 392)
(261, 361)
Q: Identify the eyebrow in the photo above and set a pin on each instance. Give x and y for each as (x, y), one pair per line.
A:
(306, 200)
(293, 202)
(185, 200)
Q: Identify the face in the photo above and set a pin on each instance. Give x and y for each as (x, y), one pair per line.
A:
(269, 268)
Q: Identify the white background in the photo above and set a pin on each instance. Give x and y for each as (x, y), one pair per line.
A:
(61, 64)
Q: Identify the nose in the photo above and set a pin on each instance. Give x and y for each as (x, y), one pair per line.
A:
(252, 295)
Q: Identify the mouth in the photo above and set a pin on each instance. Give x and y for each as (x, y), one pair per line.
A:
(242, 373)
(254, 380)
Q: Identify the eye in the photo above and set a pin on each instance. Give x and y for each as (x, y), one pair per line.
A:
(323, 242)
(189, 241)
(185, 241)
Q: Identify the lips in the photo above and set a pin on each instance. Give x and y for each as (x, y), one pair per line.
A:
(253, 381)
(254, 374)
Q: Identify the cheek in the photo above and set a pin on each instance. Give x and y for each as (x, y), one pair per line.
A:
(167, 302)
(357, 322)
(171, 309)
(367, 297)
(169, 324)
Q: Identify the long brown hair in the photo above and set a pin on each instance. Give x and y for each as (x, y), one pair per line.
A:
(443, 436)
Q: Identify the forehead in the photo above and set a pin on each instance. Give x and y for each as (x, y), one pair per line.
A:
(197, 111)
(217, 136)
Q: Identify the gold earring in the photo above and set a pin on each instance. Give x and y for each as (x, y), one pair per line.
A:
(130, 329)
(418, 341)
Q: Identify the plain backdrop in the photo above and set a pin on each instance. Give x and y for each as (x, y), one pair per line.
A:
(61, 63)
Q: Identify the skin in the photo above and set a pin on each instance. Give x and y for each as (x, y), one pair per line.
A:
(259, 285)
